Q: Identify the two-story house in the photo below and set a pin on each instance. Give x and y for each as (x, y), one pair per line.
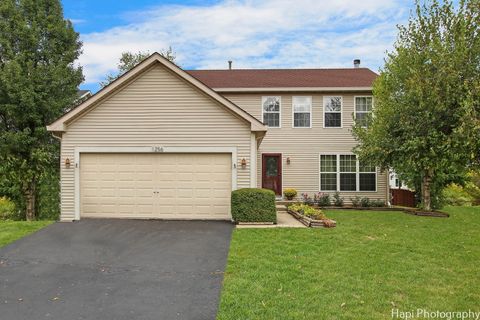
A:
(162, 142)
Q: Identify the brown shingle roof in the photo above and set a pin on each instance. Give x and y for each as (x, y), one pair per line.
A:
(285, 78)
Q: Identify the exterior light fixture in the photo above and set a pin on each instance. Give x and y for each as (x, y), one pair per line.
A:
(67, 163)
(244, 163)
(288, 160)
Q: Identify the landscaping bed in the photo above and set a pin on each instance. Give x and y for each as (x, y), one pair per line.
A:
(310, 216)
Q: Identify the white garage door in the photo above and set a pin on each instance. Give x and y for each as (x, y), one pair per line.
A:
(166, 186)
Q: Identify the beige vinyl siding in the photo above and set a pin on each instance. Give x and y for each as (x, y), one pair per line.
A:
(155, 109)
(303, 145)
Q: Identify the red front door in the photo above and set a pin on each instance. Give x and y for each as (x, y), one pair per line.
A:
(272, 172)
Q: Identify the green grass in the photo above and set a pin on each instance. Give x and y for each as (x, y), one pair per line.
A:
(370, 263)
(14, 230)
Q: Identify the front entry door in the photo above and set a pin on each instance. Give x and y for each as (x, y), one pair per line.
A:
(272, 172)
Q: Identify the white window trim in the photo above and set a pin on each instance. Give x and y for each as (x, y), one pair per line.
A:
(320, 170)
(355, 106)
(341, 112)
(338, 173)
(279, 111)
(357, 179)
(82, 150)
(293, 112)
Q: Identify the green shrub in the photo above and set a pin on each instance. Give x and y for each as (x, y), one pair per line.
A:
(253, 205)
(322, 199)
(356, 202)
(7, 209)
(337, 200)
(377, 203)
(365, 202)
(308, 211)
(290, 193)
(456, 195)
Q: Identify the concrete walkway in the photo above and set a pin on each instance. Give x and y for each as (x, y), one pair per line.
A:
(284, 220)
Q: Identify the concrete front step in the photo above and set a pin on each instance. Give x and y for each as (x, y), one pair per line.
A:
(285, 202)
(281, 208)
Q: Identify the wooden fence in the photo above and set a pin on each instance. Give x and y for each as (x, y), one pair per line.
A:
(401, 197)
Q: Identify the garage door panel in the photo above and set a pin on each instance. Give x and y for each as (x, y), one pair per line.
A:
(171, 186)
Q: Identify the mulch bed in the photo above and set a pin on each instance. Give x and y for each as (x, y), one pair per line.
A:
(412, 211)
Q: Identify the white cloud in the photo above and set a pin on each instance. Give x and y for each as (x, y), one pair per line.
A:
(261, 34)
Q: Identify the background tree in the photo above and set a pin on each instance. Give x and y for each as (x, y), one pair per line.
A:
(38, 81)
(128, 60)
(425, 123)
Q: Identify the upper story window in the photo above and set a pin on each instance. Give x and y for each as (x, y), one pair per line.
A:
(302, 112)
(363, 107)
(332, 112)
(271, 111)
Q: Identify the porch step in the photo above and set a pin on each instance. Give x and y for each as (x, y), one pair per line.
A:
(285, 202)
(281, 208)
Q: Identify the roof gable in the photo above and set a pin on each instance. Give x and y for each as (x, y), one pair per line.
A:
(60, 124)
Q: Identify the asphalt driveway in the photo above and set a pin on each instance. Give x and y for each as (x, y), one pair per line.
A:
(115, 269)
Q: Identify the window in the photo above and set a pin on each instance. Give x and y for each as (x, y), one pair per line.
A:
(328, 172)
(363, 107)
(302, 110)
(345, 173)
(368, 177)
(332, 112)
(348, 173)
(271, 111)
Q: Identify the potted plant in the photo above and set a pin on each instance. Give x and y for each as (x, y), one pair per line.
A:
(290, 193)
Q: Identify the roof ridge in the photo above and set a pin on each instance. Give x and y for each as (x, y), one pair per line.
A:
(280, 69)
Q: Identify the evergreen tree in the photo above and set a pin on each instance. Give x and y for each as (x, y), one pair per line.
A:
(38, 81)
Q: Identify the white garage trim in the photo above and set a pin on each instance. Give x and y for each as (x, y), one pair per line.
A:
(153, 149)
(253, 161)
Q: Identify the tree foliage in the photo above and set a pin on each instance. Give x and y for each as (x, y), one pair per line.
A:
(425, 123)
(38, 81)
(128, 60)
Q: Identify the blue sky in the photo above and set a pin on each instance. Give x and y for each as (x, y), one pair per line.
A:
(252, 33)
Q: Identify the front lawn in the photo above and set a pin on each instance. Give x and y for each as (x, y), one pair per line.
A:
(13, 230)
(371, 263)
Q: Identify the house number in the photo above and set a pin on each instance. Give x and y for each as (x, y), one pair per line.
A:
(157, 149)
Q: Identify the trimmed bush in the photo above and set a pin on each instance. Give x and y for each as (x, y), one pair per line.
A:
(253, 205)
(290, 193)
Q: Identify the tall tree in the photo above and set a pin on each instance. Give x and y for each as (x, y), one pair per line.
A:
(128, 60)
(425, 123)
(38, 81)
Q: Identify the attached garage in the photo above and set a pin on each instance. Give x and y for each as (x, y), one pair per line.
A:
(152, 186)
(155, 144)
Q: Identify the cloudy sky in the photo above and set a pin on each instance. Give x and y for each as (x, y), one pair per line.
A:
(254, 34)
